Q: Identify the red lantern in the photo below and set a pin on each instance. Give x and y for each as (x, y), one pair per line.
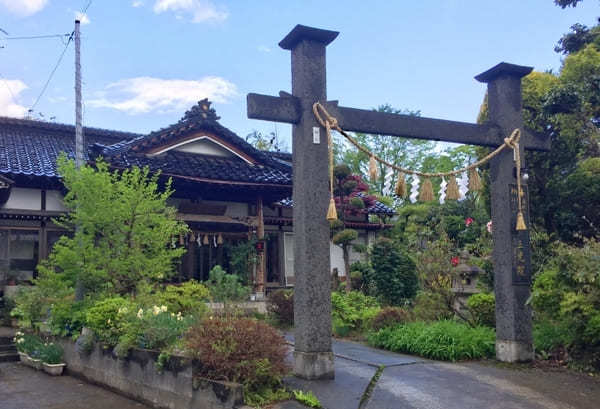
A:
(260, 246)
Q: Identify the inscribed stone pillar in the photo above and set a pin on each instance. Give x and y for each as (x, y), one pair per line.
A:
(511, 253)
(312, 298)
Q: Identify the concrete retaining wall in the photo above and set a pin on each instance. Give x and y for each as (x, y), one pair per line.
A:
(137, 377)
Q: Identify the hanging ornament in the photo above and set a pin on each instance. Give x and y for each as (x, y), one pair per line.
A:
(414, 189)
(474, 180)
(443, 191)
(372, 169)
(452, 192)
(220, 239)
(463, 181)
(521, 221)
(199, 240)
(331, 212)
(192, 237)
(205, 242)
(426, 194)
(214, 241)
(401, 185)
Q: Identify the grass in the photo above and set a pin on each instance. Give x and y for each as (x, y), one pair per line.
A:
(442, 340)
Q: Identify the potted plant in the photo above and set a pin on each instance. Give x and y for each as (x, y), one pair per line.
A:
(52, 355)
(29, 347)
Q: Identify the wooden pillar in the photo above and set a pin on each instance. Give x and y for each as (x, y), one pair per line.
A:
(261, 262)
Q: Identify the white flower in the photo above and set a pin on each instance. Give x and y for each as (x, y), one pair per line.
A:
(122, 310)
(108, 321)
(163, 308)
(140, 313)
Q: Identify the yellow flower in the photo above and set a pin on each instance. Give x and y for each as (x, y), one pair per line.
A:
(155, 310)
(163, 308)
(140, 313)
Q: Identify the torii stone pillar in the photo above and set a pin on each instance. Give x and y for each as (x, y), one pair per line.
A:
(312, 298)
(511, 255)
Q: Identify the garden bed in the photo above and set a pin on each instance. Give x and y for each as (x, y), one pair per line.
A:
(174, 386)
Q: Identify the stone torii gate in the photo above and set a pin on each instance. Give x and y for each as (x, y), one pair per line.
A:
(312, 299)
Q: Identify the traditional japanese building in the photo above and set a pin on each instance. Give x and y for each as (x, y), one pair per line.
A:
(225, 190)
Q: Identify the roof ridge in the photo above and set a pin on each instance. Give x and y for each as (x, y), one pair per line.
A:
(54, 126)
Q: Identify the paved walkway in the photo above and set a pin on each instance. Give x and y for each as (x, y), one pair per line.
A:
(22, 387)
(409, 382)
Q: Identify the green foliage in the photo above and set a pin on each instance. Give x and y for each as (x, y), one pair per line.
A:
(126, 230)
(352, 312)
(281, 305)
(30, 306)
(188, 298)
(51, 353)
(307, 398)
(395, 273)
(266, 396)
(225, 287)
(107, 317)
(67, 316)
(443, 340)
(391, 316)
(550, 336)
(567, 294)
(242, 256)
(430, 306)
(7, 306)
(345, 237)
(28, 343)
(238, 350)
(482, 307)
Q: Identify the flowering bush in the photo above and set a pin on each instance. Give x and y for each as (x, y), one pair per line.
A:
(29, 344)
(107, 318)
(238, 350)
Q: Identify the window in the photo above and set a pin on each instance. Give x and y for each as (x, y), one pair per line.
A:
(19, 252)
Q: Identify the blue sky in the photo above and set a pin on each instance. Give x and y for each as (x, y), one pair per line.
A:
(147, 61)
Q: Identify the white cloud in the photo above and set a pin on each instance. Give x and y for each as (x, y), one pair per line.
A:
(82, 17)
(147, 94)
(24, 7)
(264, 49)
(137, 3)
(9, 91)
(200, 10)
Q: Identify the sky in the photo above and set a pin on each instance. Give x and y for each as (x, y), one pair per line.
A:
(145, 62)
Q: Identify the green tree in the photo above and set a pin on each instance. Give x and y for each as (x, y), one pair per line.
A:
(126, 233)
(395, 273)
(266, 142)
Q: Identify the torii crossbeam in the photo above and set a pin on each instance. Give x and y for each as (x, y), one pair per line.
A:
(312, 298)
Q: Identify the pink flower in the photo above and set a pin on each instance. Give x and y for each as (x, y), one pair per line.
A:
(468, 221)
(489, 226)
(455, 261)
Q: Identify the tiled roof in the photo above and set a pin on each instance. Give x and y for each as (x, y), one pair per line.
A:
(376, 208)
(29, 147)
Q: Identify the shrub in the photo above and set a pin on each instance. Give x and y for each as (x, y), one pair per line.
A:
(188, 298)
(549, 336)
(154, 328)
(67, 317)
(444, 340)
(368, 285)
(107, 318)
(281, 305)
(390, 316)
(429, 306)
(482, 307)
(7, 305)
(395, 273)
(238, 350)
(29, 308)
(225, 287)
(352, 312)
(51, 353)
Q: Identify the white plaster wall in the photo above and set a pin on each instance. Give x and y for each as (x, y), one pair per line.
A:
(204, 147)
(54, 201)
(24, 198)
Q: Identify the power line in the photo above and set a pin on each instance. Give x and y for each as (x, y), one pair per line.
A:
(37, 37)
(87, 7)
(8, 87)
(52, 73)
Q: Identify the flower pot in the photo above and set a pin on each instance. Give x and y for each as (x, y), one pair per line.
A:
(24, 358)
(36, 363)
(54, 369)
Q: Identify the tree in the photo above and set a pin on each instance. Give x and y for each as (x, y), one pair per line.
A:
(266, 142)
(395, 275)
(126, 234)
(351, 199)
(566, 3)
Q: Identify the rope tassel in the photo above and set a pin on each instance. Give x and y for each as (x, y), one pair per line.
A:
(331, 212)
(452, 191)
(474, 180)
(373, 169)
(521, 222)
(401, 185)
(426, 194)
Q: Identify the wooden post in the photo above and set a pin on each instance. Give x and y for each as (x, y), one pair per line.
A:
(260, 233)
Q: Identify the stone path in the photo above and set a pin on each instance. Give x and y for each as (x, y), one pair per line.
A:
(22, 387)
(408, 382)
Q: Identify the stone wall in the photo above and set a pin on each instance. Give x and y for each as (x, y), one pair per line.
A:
(138, 377)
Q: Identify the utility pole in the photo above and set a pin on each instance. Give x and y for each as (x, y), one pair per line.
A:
(79, 287)
(78, 119)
